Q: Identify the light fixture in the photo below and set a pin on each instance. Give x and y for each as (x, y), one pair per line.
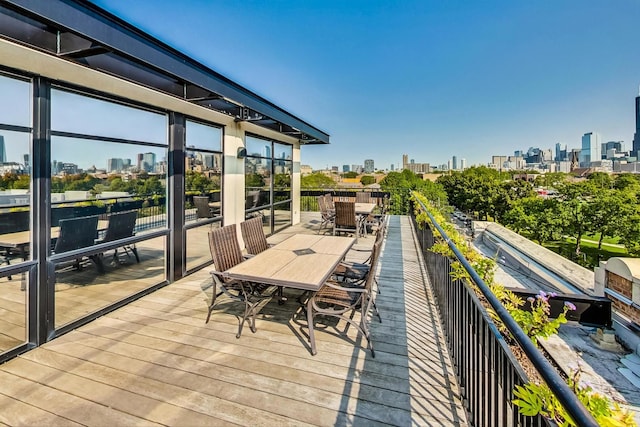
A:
(242, 152)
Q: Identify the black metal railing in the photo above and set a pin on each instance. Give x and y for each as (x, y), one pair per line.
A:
(486, 368)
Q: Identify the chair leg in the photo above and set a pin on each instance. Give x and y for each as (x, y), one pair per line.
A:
(312, 338)
(213, 301)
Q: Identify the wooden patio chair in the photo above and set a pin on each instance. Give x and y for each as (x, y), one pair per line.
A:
(121, 225)
(363, 197)
(342, 301)
(346, 220)
(327, 215)
(255, 241)
(226, 253)
(328, 199)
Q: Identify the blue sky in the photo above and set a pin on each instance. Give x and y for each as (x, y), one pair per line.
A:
(431, 79)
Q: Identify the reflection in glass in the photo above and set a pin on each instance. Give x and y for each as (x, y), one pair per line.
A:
(203, 136)
(266, 219)
(203, 179)
(76, 113)
(282, 151)
(258, 147)
(257, 182)
(81, 289)
(15, 102)
(15, 170)
(198, 245)
(13, 306)
(282, 216)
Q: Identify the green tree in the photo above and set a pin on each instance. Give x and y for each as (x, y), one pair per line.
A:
(367, 180)
(317, 180)
(600, 180)
(350, 174)
(575, 198)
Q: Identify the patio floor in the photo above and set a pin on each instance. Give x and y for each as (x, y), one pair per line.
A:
(155, 362)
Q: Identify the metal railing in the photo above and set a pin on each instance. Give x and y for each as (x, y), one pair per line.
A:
(486, 368)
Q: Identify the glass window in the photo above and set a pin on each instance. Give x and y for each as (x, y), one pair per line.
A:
(15, 102)
(257, 182)
(76, 113)
(257, 147)
(203, 136)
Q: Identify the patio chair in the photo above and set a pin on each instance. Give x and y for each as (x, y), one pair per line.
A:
(357, 271)
(77, 233)
(346, 220)
(328, 199)
(203, 210)
(226, 253)
(327, 215)
(342, 300)
(121, 225)
(255, 241)
(363, 197)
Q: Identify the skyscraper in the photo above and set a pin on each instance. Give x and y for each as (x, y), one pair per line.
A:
(636, 136)
(591, 147)
(3, 152)
(369, 166)
(454, 164)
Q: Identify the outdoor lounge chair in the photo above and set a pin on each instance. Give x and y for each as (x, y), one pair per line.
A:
(346, 219)
(121, 225)
(342, 300)
(226, 253)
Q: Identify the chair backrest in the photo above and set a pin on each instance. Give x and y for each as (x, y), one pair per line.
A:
(371, 275)
(322, 205)
(76, 233)
(202, 206)
(328, 200)
(120, 226)
(345, 215)
(224, 247)
(362, 197)
(255, 241)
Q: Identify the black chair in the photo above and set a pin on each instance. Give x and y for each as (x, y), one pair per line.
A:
(121, 225)
(203, 210)
(77, 233)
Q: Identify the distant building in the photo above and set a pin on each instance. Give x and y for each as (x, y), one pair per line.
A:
(591, 147)
(612, 148)
(636, 136)
(561, 153)
(369, 166)
(463, 164)
(498, 162)
(345, 168)
(454, 163)
(305, 170)
(3, 151)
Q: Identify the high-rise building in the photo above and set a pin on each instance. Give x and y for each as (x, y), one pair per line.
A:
(369, 166)
(607, 147)
(405, 161)
(3, 151)
(463, 164)
(561, 152)
(591, 147)
(636, 136)
(454, 163)
(345, 168)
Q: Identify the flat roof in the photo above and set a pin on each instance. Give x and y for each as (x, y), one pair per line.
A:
(80, 31)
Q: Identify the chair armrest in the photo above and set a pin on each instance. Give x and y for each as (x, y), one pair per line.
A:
(347, 288)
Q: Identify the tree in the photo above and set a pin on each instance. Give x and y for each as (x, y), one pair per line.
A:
(609, 211)
(317, 180)
(350, 174)
(600, 180)
(575, 198)
(367, 180)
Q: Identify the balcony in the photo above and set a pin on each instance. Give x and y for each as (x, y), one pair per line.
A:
(155, 361)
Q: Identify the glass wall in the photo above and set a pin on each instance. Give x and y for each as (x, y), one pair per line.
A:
(15, 213)
(268, 175)
(108, 190)
(203, 186)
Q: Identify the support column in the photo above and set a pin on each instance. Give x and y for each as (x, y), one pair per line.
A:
(295, 185)
(233, 192)
(175, 208)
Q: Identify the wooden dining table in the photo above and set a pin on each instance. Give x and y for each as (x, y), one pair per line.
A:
(302, 261)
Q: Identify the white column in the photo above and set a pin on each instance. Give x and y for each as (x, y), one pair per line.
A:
(233, 180)
(295, 185)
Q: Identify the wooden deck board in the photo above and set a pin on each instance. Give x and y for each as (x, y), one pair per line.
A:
(155, 361)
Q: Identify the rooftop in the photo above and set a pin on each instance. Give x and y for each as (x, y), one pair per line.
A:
(155, 361)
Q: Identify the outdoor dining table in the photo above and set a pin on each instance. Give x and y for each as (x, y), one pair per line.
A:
(303, 261)
(365, 208)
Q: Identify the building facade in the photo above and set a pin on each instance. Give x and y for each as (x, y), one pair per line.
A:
(83, 90)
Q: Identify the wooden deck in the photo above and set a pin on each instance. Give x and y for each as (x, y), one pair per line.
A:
(155, 362)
